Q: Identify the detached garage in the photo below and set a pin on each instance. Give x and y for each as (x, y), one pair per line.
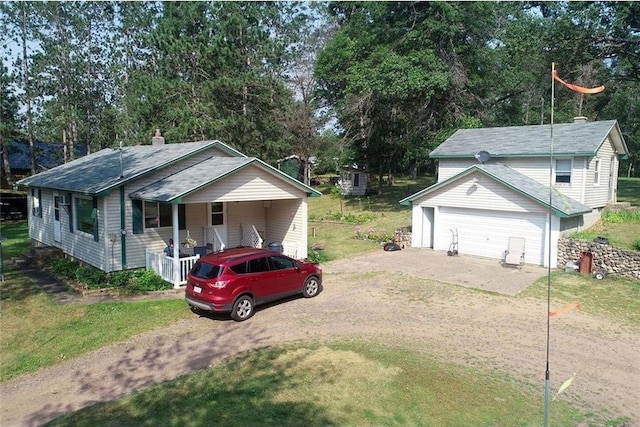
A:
(483, 206)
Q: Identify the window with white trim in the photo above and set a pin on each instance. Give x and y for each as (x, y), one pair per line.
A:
(563, 171)
(157, 215)
(596, 172)
(217, 213)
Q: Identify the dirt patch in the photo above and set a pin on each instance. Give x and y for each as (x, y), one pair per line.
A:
(404, 308)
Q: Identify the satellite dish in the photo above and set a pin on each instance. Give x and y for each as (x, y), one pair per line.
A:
(482, 156)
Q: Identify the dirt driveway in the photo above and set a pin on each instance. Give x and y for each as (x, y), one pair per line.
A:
(386, 297)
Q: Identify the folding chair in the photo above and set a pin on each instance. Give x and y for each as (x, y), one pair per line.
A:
(514, 255)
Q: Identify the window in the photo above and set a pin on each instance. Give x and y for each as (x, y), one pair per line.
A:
(85, 215)
(157, 215)
(36, 198)
(154, 215)
(217, 213)
(596, 173)
(258, 265)
(356, 179)
(282, 263)
(239, 268)
(563, 171)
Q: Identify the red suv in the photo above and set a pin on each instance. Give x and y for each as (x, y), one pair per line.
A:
(236, 280)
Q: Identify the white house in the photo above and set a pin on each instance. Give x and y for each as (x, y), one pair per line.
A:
(494, 183)
(117, 209)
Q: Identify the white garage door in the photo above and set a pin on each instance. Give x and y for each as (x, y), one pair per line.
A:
(486, 233)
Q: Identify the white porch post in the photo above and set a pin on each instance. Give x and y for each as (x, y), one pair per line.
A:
(176, 246)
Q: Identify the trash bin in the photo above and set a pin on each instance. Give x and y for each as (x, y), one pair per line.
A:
(586, 258)
(275, 247)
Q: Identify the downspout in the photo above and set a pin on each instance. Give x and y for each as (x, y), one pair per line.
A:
(123, 231)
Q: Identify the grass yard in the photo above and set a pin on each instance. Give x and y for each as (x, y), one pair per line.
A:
(613, 298)
(335, 222)
(347, 383)
(629, 191)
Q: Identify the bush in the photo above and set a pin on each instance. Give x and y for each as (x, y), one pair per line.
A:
(64, 267)
(91, 276)
(636, 245)
(145, 281)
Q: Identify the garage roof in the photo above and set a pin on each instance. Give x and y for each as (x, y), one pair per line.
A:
(561, 205)
(569, 139)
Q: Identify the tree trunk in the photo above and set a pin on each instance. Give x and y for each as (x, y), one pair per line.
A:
(7, 165)
(27, 89)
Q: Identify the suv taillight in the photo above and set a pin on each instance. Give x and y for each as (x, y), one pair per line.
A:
(219, 284)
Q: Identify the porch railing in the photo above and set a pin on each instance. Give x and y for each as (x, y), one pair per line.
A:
(251, 237)
(164, 267)
(212, 237)
(291, 249)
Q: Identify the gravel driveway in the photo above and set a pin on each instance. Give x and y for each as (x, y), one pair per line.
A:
(384, 296)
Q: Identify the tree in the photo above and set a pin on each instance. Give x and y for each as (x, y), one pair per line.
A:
(8, 120)
(398, 72)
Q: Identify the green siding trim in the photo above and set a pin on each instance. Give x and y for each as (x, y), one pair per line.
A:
(123, 240)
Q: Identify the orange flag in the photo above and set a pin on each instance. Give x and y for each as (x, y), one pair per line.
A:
(576, 88)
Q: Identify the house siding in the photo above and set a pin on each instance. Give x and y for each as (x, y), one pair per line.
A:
(78, 244)
(245, 185)
(597, 196)
(287, 223)
(486, 193)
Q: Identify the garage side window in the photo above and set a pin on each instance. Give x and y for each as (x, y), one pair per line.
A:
(563, 171)
(596, 173)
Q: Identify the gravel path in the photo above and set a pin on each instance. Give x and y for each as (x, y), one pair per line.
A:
(481, 329)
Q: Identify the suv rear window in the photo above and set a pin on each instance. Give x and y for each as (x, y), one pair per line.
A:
(206, 271)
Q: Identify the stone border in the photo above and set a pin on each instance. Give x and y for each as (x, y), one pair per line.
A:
(615, 261)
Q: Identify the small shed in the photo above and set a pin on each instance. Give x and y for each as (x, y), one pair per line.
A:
(354, 179)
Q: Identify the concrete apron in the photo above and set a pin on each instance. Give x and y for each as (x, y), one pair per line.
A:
(464, 270)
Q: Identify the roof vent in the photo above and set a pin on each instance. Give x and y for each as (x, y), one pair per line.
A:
(482, 156)
(580, 119)
(158, 139)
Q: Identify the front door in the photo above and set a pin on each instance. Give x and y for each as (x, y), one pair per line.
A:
(57, 230)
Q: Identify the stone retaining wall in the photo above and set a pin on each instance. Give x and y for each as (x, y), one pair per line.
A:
(613, 260)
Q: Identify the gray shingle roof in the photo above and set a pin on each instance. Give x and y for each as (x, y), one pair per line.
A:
(574, 139)
(191, 179)
(100, 172)
(562, 205)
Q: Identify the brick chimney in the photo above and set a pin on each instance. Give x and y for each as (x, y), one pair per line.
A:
(158, 139)
(580, 119)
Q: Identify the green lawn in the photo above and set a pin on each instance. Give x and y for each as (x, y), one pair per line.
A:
(346, 383)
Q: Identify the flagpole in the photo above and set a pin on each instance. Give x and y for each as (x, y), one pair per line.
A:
(547, 375)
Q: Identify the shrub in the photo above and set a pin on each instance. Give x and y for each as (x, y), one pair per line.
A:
(636, 245)
(64, 267)
(146, 280)
(91, 276)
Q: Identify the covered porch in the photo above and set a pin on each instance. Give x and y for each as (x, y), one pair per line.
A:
(202, 228)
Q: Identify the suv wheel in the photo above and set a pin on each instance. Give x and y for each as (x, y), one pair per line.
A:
(242, 308)
(311, 287)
